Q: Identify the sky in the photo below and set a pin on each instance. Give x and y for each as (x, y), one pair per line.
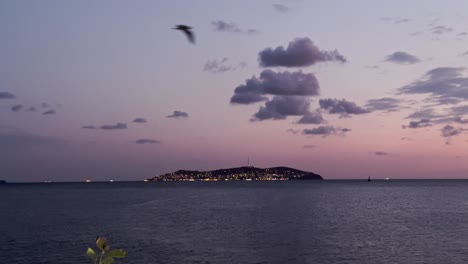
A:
(347, 89)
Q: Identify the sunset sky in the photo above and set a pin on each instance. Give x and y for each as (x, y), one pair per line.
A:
(347, 89)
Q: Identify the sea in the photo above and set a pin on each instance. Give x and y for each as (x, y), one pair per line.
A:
(288, 222)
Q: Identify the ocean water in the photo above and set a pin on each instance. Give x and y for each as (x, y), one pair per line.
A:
(238, 222)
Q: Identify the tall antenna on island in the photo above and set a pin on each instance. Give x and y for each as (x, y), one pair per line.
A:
(248, 161)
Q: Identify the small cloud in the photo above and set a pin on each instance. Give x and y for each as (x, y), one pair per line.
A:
(147, 141)
(88, 127)
(380, 153)
(439, 30)
(45, 105)
(464, 53)
(16, 108)
(450, 131)
(31, 109)
(281, 107)
(221, 66)
(402, 57)
(418, 124)
(255, 89)
(281, 8)
(178, 114)
(324, 131)
(139, 120)
(396, 20)
(311, 118)
(416, 33)
(462, 34)
(384, 104)
(342, 107)
(293, 131)
(300, 52)
(460, 120)
(7, 95)
(428, 113)
(223, 26)
(114, 127)
(49, 112)
(309, 146)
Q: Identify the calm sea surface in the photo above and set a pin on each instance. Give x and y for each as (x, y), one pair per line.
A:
(238, 222)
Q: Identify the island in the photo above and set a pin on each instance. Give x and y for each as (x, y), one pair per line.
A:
(3, 182)
(246, 173)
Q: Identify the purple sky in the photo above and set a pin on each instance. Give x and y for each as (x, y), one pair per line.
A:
(107, 90)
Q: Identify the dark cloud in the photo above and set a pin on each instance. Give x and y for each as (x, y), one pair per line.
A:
(114, 127)
(49, 112)
(342, 107)
(309, 146)
(440, 83)
(459, 110)
(402, 57)
(275, 83)
(223, 26)
(31, 109)
(16, 108)
(147, 141)
(439, 30)
(282, 106)
(462, 34)
(139, 120)
(312, 118)
(299, 53)
(178, 114)
(221, 66)
(7, 95)
(281, 8)
(88, 127)
(380, 153)
(325, 131)
(384, 104)
(418, 124)
(450, 131)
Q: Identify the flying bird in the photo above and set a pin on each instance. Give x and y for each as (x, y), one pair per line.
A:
(187, 30)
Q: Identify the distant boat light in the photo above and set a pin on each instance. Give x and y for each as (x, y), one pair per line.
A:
(111, 180)
(387, 179)
(88, 181)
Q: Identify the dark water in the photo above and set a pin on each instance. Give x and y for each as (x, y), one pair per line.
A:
(238, 222)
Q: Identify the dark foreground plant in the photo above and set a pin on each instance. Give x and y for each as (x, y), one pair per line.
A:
(106, 256)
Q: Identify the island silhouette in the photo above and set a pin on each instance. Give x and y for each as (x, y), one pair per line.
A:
(245, 173)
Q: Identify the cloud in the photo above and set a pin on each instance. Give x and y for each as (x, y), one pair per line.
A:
(178, 114)
(324, 131)
(416, 33)
(299, 53)
(88, 127)
(223, 26)
(309, 146)
(450, 131)
(49, 112)
(7, 95)
(114, 127)
(402, 57)
(139, 120)
(459, 110)
(147, 141)
(384, 104)
(221, 66)
(427, 113)
(342, 107)
(282, 106)
(312, 118)
(275, 83)
(464, 53)
(439, 30)
(31, 109)
(16, 108)
(418, 124)
(440, 83)
(380, 153)
(396, 20)
(462, 34)
(460, 120)
(281, 8)
(45, 105)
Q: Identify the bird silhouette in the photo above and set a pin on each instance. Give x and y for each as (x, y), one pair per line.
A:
(188, 32)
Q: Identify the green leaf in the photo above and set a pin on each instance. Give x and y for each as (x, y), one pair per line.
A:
(117, 253)
(107, 260)
(101, 243)
(91, 254)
